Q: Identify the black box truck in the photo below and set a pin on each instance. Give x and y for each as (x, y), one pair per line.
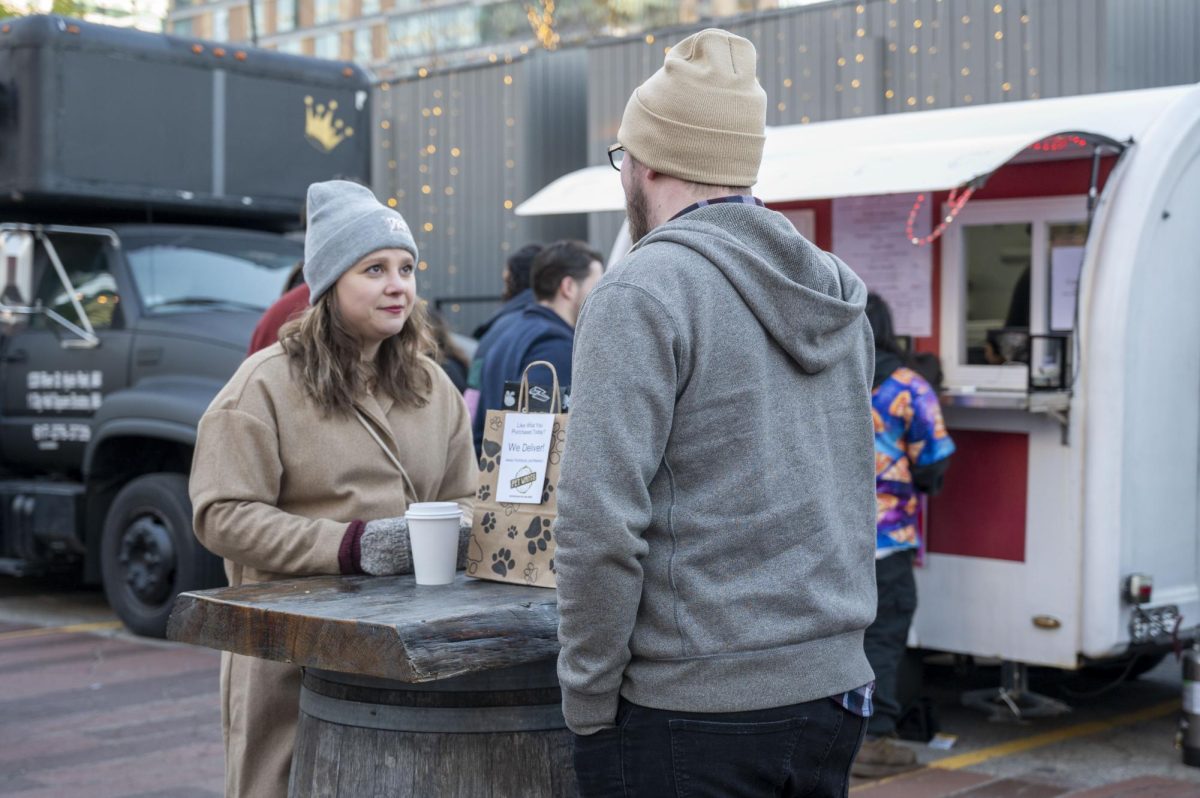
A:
(147, 184)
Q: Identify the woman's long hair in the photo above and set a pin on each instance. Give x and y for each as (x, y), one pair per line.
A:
(327, 358)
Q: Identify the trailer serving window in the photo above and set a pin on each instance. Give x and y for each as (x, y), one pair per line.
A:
(1009, 274)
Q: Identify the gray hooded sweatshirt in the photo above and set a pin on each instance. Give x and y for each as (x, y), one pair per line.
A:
(716, 526)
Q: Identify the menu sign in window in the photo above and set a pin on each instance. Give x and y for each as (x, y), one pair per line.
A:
(869, 235)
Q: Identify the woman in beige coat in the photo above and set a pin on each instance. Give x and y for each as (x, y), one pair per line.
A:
(291, 477)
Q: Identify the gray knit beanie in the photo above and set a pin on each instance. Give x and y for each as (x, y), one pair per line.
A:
(345, 224)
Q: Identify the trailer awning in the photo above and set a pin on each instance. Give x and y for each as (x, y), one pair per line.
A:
(902, 153)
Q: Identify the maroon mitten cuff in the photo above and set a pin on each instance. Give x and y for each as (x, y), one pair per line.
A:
(350, 552)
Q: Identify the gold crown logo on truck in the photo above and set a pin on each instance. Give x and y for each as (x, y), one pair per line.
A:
(321, 128)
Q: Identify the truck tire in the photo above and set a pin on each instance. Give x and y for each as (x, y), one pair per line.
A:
(149, 555)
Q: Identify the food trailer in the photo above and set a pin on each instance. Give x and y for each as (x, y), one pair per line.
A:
(1049, 253)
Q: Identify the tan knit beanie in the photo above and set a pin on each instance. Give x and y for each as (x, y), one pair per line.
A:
(702, 116)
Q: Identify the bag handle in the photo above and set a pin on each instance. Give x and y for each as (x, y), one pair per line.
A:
(523, 399)
(408, 485)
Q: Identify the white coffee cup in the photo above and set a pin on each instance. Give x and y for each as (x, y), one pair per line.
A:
(433, 534)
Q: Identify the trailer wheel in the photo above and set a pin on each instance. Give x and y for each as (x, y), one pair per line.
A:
(149, 554)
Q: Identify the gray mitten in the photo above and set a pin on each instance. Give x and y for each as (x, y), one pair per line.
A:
(385, 549)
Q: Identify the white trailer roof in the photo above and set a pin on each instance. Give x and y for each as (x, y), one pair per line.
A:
(898, 153)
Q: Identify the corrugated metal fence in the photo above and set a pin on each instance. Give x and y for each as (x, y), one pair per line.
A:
(459, 150)
(829, 61)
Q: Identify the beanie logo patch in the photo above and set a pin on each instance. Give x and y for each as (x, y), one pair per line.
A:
(396, 225)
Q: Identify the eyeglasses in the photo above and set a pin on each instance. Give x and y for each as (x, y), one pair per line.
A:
(616, 154)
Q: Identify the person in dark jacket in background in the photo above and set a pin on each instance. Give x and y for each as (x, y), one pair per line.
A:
(912, 450)
(563, 274)
(518, 296)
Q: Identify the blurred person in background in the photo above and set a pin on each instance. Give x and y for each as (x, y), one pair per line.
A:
(517, 297)
(563, 275)
(912, 451)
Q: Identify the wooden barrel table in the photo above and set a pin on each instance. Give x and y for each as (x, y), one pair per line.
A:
(407, 690)
(496, 733)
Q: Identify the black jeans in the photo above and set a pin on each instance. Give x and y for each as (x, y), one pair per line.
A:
(887, 638)
(799, 751)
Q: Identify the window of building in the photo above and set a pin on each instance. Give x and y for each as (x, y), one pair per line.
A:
(327, 45)
(370, 7)
(220, 24)
(290, 46)
(326, 11)
(285, 15)
(182, 27)
(363, 51)
(1010, 268)
(417, 34)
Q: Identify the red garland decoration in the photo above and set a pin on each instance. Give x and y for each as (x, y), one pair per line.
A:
(956, 202)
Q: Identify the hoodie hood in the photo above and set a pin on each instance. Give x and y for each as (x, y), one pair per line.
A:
(808, 300)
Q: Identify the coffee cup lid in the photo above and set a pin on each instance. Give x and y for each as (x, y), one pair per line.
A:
(433, 510)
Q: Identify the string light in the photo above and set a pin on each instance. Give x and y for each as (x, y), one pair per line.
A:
(957, 200)
(1059, 143)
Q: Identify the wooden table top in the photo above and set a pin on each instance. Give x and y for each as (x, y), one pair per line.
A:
(388, 627)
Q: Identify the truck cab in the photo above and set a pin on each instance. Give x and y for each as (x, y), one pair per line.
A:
(113, 341)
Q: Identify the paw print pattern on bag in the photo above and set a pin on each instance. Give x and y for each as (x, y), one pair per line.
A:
(531, 573)
(489, 460)
(502, 562)
(558, 441)
(539, 534)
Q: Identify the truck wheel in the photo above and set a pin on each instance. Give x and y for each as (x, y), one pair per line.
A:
(149, 554)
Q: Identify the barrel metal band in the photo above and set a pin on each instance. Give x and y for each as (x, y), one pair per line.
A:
(450, 720)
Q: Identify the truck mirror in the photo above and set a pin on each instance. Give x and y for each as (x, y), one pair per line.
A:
(17, 292)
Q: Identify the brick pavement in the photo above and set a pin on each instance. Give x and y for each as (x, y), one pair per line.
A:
(116, 717)
(107, 717)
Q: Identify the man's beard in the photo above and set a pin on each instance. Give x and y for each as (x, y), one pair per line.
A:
(637, 209)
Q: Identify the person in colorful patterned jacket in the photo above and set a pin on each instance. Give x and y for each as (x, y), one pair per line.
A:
(912, 450)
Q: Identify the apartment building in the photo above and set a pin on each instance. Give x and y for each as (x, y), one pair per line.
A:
(398, 37)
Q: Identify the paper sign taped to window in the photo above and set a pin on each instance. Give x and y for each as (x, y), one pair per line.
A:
(524, 450)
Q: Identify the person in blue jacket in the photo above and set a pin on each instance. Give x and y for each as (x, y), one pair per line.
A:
(562, 275)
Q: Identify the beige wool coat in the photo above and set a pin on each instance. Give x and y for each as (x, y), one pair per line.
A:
(274, 485)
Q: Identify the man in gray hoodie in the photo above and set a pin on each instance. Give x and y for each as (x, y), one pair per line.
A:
(716, 527)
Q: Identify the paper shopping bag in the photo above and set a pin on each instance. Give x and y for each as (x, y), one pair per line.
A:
(512, 538)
